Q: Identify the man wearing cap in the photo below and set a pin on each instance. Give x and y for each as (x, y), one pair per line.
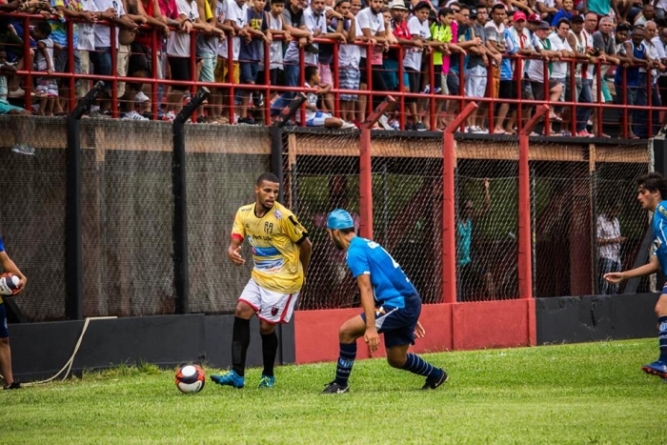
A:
(390, 302)
(536, 69)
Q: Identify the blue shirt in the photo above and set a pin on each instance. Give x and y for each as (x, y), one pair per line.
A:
(391, 286)
(660, 235)
(463, 241)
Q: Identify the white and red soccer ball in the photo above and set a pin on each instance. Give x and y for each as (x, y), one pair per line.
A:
(190, 379)
(9, 284)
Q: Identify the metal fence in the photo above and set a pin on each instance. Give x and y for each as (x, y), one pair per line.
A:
(128, 205)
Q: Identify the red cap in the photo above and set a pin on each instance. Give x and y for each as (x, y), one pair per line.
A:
(532, 18)
(519, 16)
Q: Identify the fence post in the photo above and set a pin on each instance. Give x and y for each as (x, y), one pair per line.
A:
(449, 205)
(525, 231)
(180, 225)
(366, 168)
(73, 228)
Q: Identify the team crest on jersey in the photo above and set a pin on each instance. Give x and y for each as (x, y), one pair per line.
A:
(277, 214)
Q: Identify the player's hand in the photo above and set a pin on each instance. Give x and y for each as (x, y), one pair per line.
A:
(234, 254)
(420, 332)
(621, 239)
(487, 183)
(20, 287)
(614, 277)
(372, 338)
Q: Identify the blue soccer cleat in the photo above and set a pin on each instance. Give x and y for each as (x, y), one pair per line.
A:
(229, 379)
(658, 368)
(267, 382)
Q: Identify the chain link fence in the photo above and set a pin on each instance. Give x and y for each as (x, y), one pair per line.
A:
(571, 187)
(620, 222)
(223, 164)
(322, 174)
(407, 207)
(32, 210)
(127, 218)
(487, 220)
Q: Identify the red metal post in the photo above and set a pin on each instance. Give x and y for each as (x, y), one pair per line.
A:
(114, 68)
(366, 170)
(525, 259)
(449, 205)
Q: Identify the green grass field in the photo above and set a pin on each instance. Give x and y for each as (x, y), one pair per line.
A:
(571, 394)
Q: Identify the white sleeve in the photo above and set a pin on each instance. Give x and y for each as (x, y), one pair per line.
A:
(413, 26)
(362, 20)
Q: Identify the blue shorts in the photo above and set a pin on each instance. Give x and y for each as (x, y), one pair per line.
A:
(6, 107)
(397, 324)
(4, 331)
(249, 71)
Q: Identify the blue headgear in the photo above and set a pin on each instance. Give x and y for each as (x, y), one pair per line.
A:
(339, 219)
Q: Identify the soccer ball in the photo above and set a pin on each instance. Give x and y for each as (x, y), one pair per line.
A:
(190, 379)
(9, 283)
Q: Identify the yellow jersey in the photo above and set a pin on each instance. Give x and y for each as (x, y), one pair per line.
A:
(275, 239)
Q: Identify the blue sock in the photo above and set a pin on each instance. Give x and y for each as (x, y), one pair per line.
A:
(417, 365)
(662, 338)
(348, 352)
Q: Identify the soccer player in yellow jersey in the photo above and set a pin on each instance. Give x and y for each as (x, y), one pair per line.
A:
(281, 253)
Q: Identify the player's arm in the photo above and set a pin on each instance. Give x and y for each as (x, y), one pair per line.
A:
(305, 250)
(487, 200)
(9, 266)
(652, 267)
(368, 304)
(234, 251)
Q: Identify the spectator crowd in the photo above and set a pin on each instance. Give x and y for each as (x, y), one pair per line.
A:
(505, 51)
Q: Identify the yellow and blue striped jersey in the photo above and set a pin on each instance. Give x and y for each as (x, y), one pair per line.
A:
(275, 239)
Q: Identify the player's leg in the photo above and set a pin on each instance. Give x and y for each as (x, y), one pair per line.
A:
(5, 352)
(247, 306)
(398, 326)
(348, 334)
(274, 308)
(659, 367)
(269, 350)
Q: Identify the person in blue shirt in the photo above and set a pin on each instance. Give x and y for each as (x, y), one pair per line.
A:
(652, 191)
(8, 266)
(391, 306)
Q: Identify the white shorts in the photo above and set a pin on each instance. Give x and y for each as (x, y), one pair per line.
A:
(318, 120)
(476, 79)
(272, 307)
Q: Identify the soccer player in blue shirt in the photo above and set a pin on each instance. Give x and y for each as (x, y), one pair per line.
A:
(652, 191)
(391, 306)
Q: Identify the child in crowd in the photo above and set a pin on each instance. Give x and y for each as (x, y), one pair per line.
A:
(314, 117)
(276, 27)
(47, 88)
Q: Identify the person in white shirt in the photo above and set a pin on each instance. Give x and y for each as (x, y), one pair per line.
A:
(114, 12)
(609, 241)
(412, 61)
(179, 53)
(349, 56)
(371, 22)
(535, 71)
(656, 53)
(559, 70)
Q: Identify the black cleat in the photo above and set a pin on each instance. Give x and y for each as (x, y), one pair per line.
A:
(14, 385)
(335, 388)
(434, 383)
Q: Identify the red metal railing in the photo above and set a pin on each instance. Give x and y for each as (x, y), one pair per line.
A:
(28, 73)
